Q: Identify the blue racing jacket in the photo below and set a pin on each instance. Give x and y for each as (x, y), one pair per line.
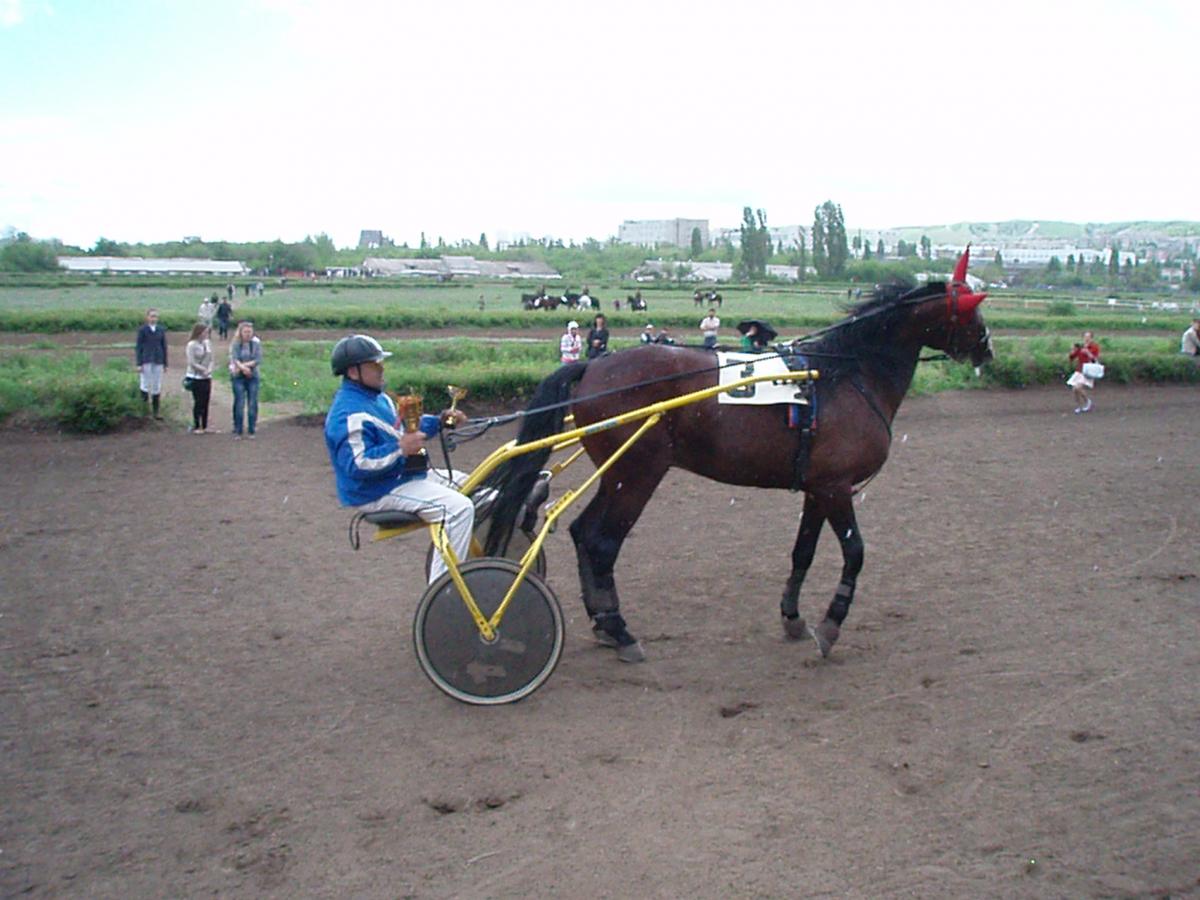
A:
(364, 444)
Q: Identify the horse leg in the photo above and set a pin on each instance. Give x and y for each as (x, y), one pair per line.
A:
(598, 534)
(841, 519)
(802, 556)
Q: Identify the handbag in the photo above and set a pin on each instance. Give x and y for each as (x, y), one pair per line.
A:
(1093, 370)
(188, 382)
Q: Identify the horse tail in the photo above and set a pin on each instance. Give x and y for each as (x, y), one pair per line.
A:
(514, 479)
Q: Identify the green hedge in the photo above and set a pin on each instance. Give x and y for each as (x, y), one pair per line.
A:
(81, 397)
(69, 390)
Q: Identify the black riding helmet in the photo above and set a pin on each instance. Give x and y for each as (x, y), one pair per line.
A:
(355, 350)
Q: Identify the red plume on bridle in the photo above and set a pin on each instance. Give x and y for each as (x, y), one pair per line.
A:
(960, 302)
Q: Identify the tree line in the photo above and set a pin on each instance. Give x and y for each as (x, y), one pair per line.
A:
(832, 257)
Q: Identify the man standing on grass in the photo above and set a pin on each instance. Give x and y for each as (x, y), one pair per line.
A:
(151, 358)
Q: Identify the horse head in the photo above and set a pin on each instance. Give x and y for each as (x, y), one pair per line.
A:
(966, 335)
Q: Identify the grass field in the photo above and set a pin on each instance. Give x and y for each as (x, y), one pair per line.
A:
(1032, 349)
(414, 306)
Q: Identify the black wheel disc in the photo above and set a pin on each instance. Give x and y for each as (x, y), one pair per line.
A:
(455, 655)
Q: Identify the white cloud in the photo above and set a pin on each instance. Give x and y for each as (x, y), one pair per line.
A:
(524, 118)
(10, 13)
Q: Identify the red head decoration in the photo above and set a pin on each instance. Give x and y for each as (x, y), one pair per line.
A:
(960, 302)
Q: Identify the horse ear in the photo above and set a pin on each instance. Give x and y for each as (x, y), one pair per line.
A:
(967, 303)
(959, 290)
(960, 271)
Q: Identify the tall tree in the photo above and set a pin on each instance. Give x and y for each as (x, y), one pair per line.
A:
(830, 248)
(879, 248)
(819, 242)
(483, 244)
(756, 244)
(926, 247)
(697, 243)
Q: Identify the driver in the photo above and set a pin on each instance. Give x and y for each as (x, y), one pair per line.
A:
(377, 465)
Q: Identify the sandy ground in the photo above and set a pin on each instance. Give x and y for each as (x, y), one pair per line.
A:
(204, 691)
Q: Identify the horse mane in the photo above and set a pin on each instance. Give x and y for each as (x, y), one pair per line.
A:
(866, 329)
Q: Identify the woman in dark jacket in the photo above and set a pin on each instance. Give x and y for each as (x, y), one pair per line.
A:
(597, 339)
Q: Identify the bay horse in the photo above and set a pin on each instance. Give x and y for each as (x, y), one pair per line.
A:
(866, 364)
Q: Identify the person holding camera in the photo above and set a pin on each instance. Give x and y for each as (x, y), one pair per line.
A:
(1083, 353)
(380, 466)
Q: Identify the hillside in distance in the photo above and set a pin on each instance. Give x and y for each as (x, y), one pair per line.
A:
(1086, 234)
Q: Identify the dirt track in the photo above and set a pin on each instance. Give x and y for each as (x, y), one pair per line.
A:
(205, 691)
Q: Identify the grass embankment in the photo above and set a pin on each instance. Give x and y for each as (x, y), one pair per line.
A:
(81, 397)
(69, 390)
(792, 315)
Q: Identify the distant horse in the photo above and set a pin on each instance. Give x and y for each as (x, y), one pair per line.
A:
(637, 304)
(866, 365)
(700, 298)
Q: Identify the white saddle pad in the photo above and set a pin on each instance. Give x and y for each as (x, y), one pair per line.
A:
(735, 366)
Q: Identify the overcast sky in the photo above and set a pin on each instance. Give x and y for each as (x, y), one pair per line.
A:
(259, 119)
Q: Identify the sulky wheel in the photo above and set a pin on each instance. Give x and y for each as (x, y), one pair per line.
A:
(455, 655)
(517, 545)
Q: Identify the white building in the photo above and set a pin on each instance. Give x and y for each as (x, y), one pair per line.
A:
(792, 237)
(466, 267)
(652, 232)
(136, 265)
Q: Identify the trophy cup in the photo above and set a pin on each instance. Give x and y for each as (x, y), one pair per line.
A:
(408, 410)
(456, 394)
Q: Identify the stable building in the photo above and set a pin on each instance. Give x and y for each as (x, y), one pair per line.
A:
(136, 265)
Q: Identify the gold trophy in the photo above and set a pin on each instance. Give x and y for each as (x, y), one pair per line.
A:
(408, 410)
(456, 394)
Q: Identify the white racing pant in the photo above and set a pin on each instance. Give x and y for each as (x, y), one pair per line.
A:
(434, 499)
(151, 378)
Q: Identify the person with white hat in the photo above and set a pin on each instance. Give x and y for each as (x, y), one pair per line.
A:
(648, 335)
(571, 344)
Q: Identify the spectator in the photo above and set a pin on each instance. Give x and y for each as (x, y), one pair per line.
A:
(597, 339)
(150, 354)
(224, 313)
(199, 370)
(648, 336)
(245, 357)
(208, 308)
(1087, 351)
(1190, 342)
(570, 345)
(709, 326)
(752, 341)
(664, 337)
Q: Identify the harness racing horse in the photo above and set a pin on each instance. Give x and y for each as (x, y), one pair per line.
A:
(866, 364)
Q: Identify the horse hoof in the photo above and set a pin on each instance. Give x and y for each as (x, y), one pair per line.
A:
(795, 629)
(631, 653)
(825, 634)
